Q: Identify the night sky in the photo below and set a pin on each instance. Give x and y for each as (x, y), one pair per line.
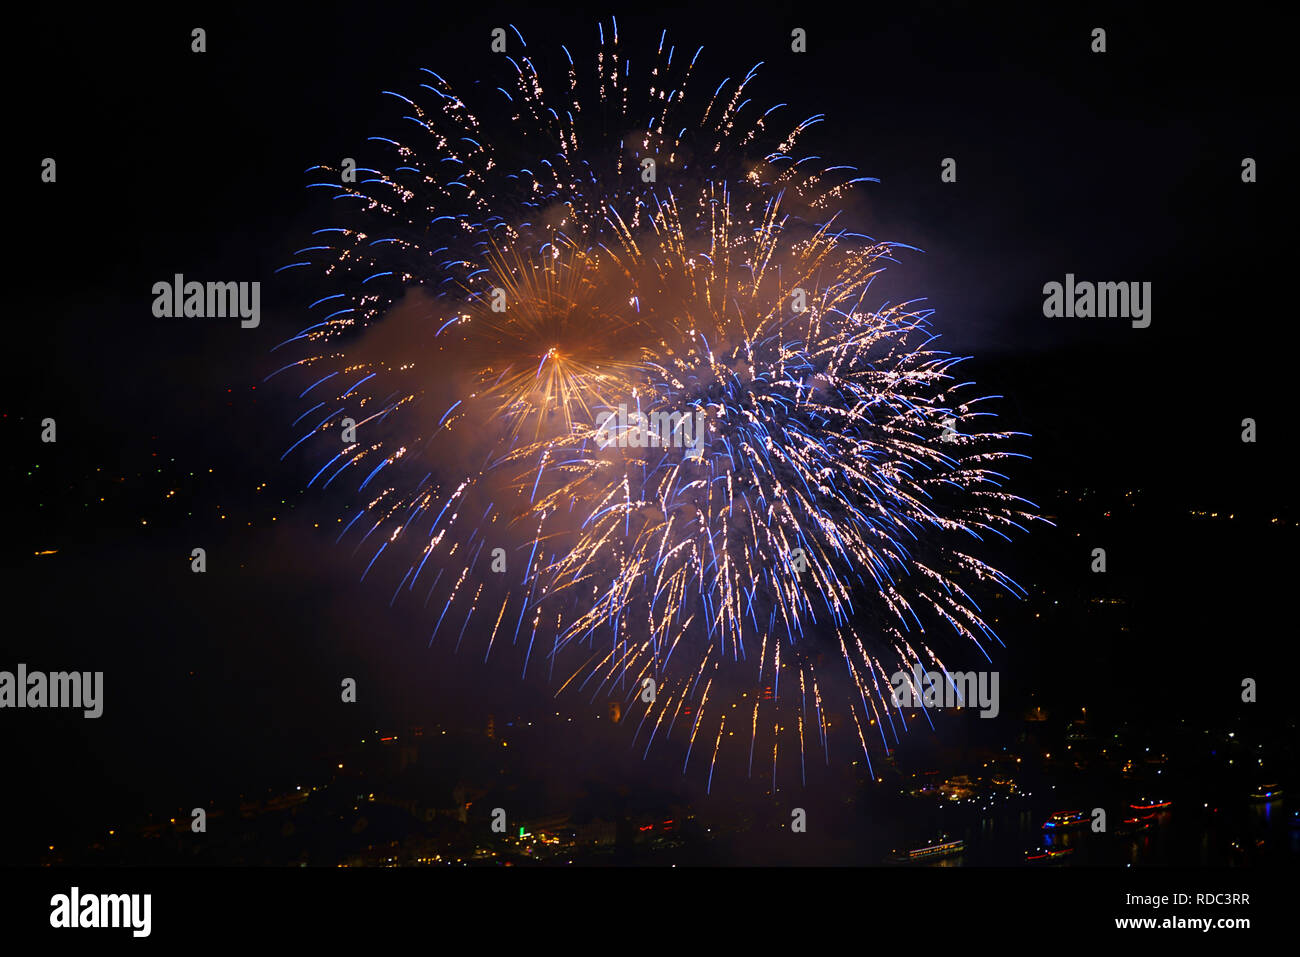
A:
(1123, 166)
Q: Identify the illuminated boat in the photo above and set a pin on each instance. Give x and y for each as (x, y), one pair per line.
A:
(1267, 792)
(931, 851)
(1066, 820)
(1042, 855)
(1132, 825)
(1150, 807)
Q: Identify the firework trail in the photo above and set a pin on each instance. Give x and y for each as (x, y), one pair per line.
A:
(498, 288)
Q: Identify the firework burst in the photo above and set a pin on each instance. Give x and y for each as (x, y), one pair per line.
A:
(501, 288)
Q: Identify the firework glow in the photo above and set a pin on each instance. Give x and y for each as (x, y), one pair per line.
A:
(789, 509)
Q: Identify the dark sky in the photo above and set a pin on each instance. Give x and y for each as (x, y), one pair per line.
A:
(1116, 166)
(1123, 166)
